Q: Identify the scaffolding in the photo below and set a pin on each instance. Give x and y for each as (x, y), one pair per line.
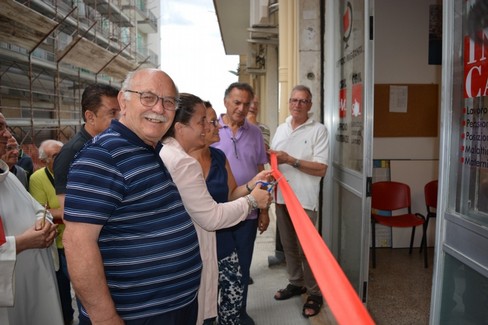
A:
(50, 50)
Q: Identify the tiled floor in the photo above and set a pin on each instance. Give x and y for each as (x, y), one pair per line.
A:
(400, 287)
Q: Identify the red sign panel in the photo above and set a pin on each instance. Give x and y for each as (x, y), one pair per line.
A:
(343, 103)
(357, 100)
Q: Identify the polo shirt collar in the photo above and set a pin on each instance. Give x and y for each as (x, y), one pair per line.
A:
(221, 121)
(307, 122)
(131, 136)
(85, 133)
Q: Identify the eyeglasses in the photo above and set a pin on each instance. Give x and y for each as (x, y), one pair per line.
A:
(297, 101)
(10, 148)
(149, 99)
(214, 123)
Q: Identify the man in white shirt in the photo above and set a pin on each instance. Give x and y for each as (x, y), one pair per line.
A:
(301, 146)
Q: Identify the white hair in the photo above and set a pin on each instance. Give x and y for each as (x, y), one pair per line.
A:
(45, 144)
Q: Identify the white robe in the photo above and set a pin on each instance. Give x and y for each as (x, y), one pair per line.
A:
(28, 288)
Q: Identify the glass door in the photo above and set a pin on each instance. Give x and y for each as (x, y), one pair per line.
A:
(460, 290)
(349, 91)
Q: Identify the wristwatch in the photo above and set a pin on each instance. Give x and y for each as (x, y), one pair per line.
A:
(296, 164)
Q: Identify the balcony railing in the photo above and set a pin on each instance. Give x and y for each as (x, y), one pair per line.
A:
(149, 24)
(147, 56)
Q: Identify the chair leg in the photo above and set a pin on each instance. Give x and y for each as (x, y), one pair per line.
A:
(424, 237)
(424, 245)
(411, 240)
(373, 242)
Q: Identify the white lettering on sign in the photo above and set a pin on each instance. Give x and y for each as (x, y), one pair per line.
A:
(476, 65)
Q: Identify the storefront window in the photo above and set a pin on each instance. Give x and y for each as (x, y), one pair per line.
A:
(470, 110)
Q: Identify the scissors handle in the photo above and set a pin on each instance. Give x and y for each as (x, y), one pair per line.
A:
(269, 185)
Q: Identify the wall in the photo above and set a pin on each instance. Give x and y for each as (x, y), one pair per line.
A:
(401, 57)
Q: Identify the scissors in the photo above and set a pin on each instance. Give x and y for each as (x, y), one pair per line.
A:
(269, 185)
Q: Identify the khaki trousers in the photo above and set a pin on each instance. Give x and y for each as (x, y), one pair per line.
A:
(299, 271)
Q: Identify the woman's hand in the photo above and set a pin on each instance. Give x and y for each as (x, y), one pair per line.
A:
(262, 197)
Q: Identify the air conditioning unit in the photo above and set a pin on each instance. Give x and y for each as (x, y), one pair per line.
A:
(259, 12)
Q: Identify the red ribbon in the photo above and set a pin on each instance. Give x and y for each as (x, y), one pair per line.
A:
(3, 239)
(341, 297)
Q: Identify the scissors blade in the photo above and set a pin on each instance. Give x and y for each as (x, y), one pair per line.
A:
(273, 184)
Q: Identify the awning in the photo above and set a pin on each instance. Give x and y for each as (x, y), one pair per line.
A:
(233, 17)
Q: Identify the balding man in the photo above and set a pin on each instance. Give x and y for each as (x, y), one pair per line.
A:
(132, 250)
(41, 187)
(22, 159)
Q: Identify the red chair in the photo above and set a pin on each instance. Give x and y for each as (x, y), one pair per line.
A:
(392, 196)
(430, 194)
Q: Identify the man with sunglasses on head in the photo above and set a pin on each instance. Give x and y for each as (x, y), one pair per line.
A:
(301, 146)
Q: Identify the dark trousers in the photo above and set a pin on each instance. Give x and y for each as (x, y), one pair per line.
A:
(278, 244)
(64, 287)
(244, 235)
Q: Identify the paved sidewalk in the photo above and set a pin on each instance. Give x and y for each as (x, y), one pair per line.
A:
(262, 307)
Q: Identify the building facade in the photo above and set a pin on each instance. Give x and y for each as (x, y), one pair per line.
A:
(50, 50)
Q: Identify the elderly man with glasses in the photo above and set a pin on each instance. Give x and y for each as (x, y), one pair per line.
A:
(132, 250)
(301, 146)
(11, 156)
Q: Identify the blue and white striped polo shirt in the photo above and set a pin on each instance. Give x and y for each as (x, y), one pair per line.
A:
(148, 242)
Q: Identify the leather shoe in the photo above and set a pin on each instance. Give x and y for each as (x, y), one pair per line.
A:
(245, 319)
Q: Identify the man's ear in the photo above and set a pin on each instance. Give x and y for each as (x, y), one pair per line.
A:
(89, 116)
(122, 103)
